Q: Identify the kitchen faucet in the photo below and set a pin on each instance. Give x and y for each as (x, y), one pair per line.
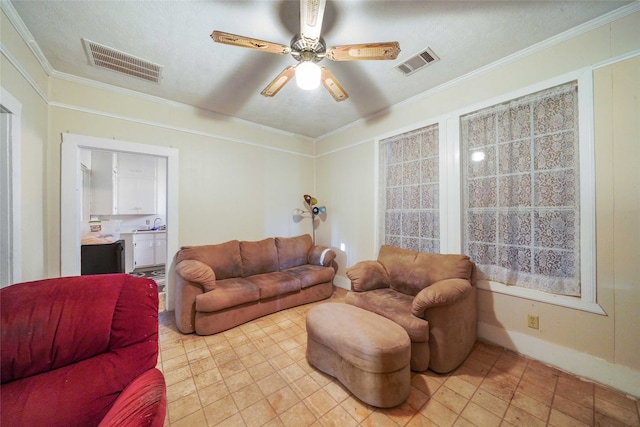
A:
(155, 227)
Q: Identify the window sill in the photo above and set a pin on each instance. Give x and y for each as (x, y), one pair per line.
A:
(560, 300)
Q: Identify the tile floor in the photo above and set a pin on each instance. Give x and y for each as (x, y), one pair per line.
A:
(257, 375)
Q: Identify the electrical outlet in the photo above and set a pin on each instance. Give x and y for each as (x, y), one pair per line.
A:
(533, 322)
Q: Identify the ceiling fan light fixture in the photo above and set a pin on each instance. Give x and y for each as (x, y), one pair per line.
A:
(308, 75)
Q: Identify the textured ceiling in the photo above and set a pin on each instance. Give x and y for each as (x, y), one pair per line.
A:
(227, 80)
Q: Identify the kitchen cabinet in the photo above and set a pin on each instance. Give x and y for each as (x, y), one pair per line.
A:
(123, 184)
(149, 249)
(103, 183)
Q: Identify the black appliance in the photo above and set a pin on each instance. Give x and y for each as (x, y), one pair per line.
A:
(102, 259)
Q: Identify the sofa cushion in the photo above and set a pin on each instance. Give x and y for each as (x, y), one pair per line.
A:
(367, 275)
(310, 275)
(198, 272)
(258, 257)
(293, 251)
(394, 306)
(274, 284)
(223, 258)
(411, 271)
(228, 293)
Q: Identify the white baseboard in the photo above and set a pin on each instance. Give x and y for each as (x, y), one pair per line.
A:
(619, 377)
(342, 282)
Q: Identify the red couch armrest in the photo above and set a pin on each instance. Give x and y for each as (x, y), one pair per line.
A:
(142, 403)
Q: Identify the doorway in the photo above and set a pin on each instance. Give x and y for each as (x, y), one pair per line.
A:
(10, 190)
(71, 197)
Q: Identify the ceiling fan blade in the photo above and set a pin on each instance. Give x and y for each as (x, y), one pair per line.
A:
(331, 84)
(241, 41)
(281, 80)
(355, 52)
(311, 15)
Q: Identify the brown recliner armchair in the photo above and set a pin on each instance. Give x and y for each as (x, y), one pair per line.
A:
(432, 296)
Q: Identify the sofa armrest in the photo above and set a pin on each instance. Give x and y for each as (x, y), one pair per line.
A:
(197, 272)
(367, 276)
(186, 293)
(142, 402)
(443, 292)
(321, 255)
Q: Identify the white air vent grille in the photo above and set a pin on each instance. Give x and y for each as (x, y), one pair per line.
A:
(115, 60)
(417, 62)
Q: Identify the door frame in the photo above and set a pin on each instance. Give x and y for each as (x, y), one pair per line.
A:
(70, 203)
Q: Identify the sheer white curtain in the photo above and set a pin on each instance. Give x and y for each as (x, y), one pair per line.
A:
(409, 190)
(521, 206)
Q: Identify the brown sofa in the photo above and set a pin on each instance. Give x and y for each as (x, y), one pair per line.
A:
(432, 296)
(224, 285)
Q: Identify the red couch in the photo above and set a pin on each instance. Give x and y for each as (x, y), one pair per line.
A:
(81, 351)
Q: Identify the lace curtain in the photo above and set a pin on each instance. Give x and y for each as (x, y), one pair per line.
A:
(521, 191)
(409, 190)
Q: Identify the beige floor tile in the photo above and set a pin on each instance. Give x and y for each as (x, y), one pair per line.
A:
(197, 419)
(338, 417)
(425, 384)
(491, 403)
(220, 410)
(246, 396)
(320, 402)
(580, 392)
(613, 411)
(183, 407)
(450, 399)
(283, 399)
(258, 413)
(439, 413)
(358, 410)
(400, 414)
(531, 405)
(572, 409)
(461, 386)
(520, 417)
(615, 397)
(559, 419)
(270, 384)
(480, 416)
(378, 419)
(213, 393)
(298, 415)
(535, 392)
(237, 381)
(180, 390)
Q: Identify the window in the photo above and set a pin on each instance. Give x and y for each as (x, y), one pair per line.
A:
(514, 189)
(521, 207)
(409, 165)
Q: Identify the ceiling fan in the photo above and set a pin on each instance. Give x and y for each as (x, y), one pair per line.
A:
(309, 48)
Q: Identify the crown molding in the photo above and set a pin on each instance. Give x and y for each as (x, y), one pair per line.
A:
(26, 35)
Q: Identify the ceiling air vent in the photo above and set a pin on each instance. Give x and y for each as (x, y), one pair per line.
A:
(417, 62)
(115, 60)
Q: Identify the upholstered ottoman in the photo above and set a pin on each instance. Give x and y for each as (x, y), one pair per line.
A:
(367, 353)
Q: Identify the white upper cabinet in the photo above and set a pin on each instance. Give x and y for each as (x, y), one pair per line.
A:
(123, 184)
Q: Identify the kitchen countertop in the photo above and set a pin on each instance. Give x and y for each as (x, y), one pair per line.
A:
(143, 231)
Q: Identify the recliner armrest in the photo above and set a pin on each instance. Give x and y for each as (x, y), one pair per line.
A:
(367, 276)
(321, 255)
(142, 402)
(442, 292)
